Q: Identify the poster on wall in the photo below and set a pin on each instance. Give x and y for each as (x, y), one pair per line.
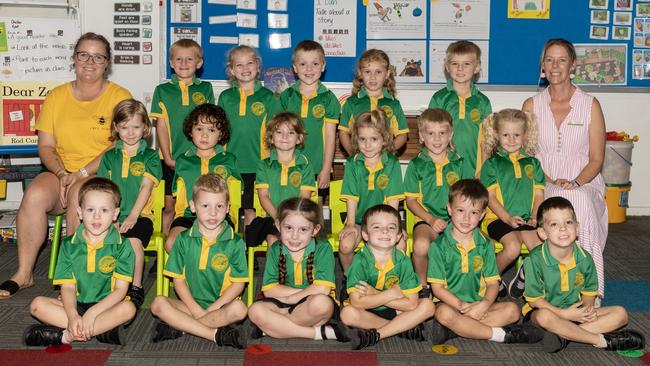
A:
(409, 58)
(186, 11)
(396, 19)
(529, 9)
(640, 64)
(437, 54)
(601, 64)
(193, 33)
(335, 27)
(460, 19)
(641, 32)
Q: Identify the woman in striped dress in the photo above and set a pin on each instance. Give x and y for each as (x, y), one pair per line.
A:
(571, 147)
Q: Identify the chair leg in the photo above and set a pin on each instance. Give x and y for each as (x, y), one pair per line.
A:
(160, 259)
(251, 277)
(56, 240)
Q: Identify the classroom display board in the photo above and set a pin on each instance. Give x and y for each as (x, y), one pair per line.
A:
(613, 36)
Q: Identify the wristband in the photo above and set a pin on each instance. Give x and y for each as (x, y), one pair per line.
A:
(83, 172)
(575, 181)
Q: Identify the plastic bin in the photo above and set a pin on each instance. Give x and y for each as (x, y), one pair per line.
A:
(616, 198)
(618, 161)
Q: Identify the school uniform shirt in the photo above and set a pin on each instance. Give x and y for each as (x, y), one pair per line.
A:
(191, 166)
(81, 128)
(464, 272)
(285, 180)
(173, 101)
(468, 114)
(429, 181)
(560, 284)
(248, 113)
(296, 276)
(363, 102)
(128, 171)
(208, 268)
(397, 271)
(316, 111)
(514, 177)
(370, 186)
(94, 269)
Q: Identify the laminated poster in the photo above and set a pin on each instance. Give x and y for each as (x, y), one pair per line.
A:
(601, 64)
(460, 19)
(335, 27)
(408, 57)
(186, 11)
(529, 9)
(640, 64)
(438, 52)
(396, 19)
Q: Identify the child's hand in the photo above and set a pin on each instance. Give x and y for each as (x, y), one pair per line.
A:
(88, 324)
(170, 163)
(565, 184)
(323, 179)
(198, 313)
(128, 223)
(515, 221)
(347, 230)
(590, 315)
(437, 224)
(532, 222)
(577, 313)
(364, 289)
(396, 291)
(477, 310)
(75, 328)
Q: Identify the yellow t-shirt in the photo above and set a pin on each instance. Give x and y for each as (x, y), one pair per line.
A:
(81, 129)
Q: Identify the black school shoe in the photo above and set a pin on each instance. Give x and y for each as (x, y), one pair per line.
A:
(425, 293)
(624, 340)
(136, 294)
(553, 343)
(414, 334)
(113, 336)
(503, 290)
(363, 338)
(163, 332)
(229, 336)
(440, 334)
(250, 330)
(42, 335)
(517, 284)
(340, 330)
(524, 333)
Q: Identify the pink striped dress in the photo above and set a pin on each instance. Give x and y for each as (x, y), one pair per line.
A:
(564, 152)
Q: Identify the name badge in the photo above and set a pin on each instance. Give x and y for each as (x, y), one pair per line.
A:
(575, 123)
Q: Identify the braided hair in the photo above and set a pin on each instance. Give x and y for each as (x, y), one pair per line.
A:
(282, 269)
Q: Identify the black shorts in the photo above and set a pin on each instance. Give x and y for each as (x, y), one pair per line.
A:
(248, 190)
(168, 177)
(142, 230)
(425, 223)
(388, 313)
(322, 192)
(83, 307)
(497, 229)
(258, 229)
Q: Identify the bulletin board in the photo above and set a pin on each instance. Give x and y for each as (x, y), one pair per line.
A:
(514, 44)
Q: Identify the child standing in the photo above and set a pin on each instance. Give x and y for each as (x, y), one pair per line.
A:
(207, 126)
(136, 170)
(172, 102)
(374, 88)
(382, 285)
(464, 276)
(562, 286)
(515, 182)
(94, 269)
(371, 176)
(249, 106)
(426, 185)
(208, 266)
(316, 105)
(298, 279)
(464, 101)
(286, 173)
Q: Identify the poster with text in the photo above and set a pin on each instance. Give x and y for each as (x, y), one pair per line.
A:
(409, 58)
(178, 33)
(396, 19)
(186, 11)
(437, 53)
(601, 64)
(335, 27)
(460, 19)
(529, 9)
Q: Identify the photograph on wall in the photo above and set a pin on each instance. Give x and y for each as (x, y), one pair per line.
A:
(640, 64)
(388, 19)
(623, 5)
(186, 11)
(408, 58)
(438, 52)
(460, 19)
(622, 18)
(598, 4)
(335, 27)
(599, 32)
(601, 64)
(641, 32)
(529, 9)
(600, 17)
(622, 33)
(643, 10)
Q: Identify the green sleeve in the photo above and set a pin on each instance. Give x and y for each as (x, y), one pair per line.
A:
(350, 185)
(221, 101)
(104, 169)
(411, 179)
(436, 272)
(395, 185)
(486, 107)
(308, 176)
(284, 99)
(125, 259)
(333, 107)
(63, 269)
(324, 264)
(402, 123)
(488, 173)
(356, 272)
(346, 115)
(261, 174)
(155, 102)
(490, 269)
(409, 280)
(434, 102)
(274, 107)
(534, 285)
(591, 278)
(176, 260)
(462, 170)
(238, 266)
(271, 270)
(540, 179)
(210, 94)
(153, 165)
(231, 165)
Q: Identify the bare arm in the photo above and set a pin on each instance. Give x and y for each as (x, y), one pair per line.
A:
(183, 292)
(265, 200)
(537, 200)
(293, 296)
(328, 155)
(375, 298)
(143, 197)
(446, 296)
(48, 154)
(346, 142)
(227, 296)
(501, 212)
(306, 194)
(399, 141)
(162, 135)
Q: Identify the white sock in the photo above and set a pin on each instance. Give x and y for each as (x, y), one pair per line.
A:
(214, 336)
(602, 343)
(64, 338)
(498, 334)
(329, 332)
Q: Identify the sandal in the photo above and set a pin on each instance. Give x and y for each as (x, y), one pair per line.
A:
(12, 288)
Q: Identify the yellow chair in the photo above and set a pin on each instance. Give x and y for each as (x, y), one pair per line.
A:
(56, 241)
(411, 220)
(337, 207)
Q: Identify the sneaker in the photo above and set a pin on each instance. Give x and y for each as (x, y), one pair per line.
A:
(230, 337)
(343, 293)
(552, 343)
(251, 330)
(517, 284)
(164, 332)
(414, 334)
(624, 340)
(113, 336)
(425, 293)
(503, 290)
(136, 294)
(525, 333)
(363, 338)
(440, 334)
(340, 330)
(42, 335)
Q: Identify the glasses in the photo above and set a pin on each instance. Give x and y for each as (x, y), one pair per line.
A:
(85, 56)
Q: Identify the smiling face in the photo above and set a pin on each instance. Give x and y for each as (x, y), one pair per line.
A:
(373, 76)
(436, 136)
(285, 138)
(296, 231)
(205, 137)
(211, 209)
(511, 135)
(370, 142)
(462, 67)
(97, 212)
(90, 70)
(244, 67)
(131, 132)
(559, 227)
(309, 65)
(557, 64)
(465, 214)
(382, 230)
(185, 61)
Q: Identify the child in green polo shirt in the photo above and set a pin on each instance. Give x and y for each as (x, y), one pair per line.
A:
(467, 105)
(372, 176)
(464, 276)
(136, 170)
(316, 105)
(208, 266)
(172, 102)
(382, 285)
(249, 107)
(561, 288)
(208, 128)
(286, 173)
(515, 180)
(298, 280)
(94, 268)
(374, 87)
(426, 185)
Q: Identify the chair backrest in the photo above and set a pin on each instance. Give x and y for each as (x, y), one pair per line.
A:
(410, 220)
(336, 207)
(158, 205)
(234, 190)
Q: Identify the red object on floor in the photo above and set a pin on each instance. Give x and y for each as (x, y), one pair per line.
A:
(646, 358)
(311, 358)
(22, 357)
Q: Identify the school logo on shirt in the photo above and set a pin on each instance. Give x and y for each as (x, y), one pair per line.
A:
(475, 115)
(198, 98)
(101, 120)
(318, 111)
(579, 280)
(477, 263)
(452, 177)
(295, 178)
(136, 168)
(107, 264)
(382, 181)
(388, 110)
(257, 108)
(391, 281)
(529, 171)
(221, 171)
(219, 262)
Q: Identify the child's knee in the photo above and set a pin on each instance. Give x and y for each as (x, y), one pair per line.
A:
(256, 313)
(350, 315)
(158, 305)
(445, 314)
(237, 310)
(544, 317)
(421, 246)
(427, 307)
(620, 314)
(512, 311)
(347, 245)
(36, 306)
(321, 306)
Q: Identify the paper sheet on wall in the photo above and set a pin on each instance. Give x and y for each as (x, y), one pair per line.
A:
(193, 33)
(408, 57)
(186, 11)
(437, 53)
(335, 27)
(460, 19)
(396, 19)
(529, 9)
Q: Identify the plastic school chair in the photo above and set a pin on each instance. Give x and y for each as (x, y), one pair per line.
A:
(56, 240)
(411, 220)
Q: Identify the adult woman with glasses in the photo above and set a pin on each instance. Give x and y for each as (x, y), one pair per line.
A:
(74, 127)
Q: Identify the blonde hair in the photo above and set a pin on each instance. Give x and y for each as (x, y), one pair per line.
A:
(377, 120)
(281, 119)
(308, 45)
(211, 183)
(124, 111)
(242, 49)
(463, 47)
(491, 129)
(377, 56)
(186, 43)
(436, 115)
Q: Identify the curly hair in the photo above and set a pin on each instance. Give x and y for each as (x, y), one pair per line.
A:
(209, 114)
(491, 129)
(124, 111)
(377, 56)
(375, 119)
(242, 49)
(285, 118)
